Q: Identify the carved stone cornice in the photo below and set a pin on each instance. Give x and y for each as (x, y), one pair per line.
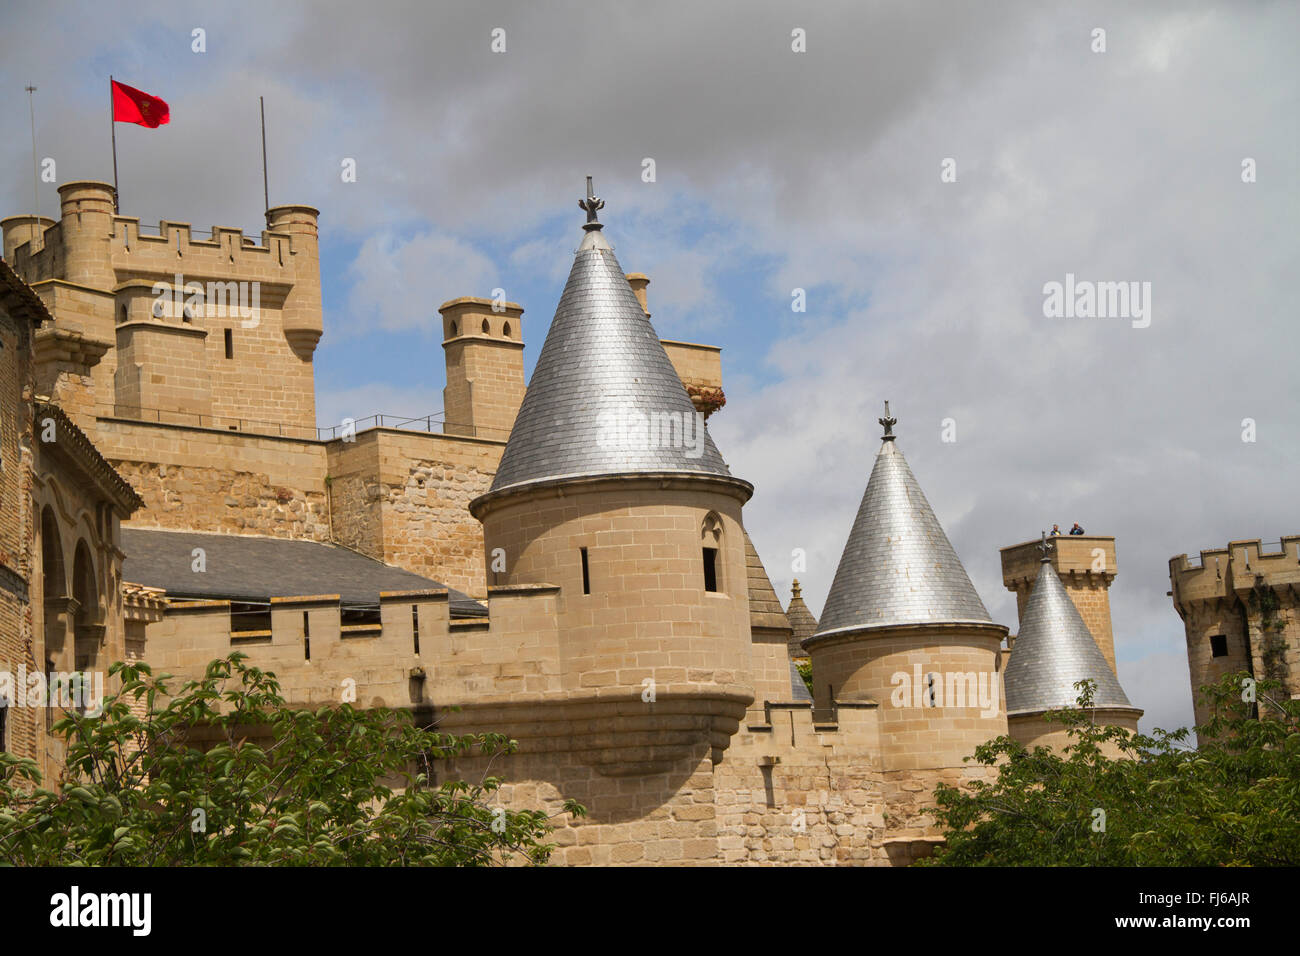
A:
(73, 443)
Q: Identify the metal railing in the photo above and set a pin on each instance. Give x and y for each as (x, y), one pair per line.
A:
(429, 424)
(418, 423)
(1267, 549)
(157, 232)
(163, 416)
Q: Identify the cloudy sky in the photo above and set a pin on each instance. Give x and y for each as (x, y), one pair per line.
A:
(778, 170)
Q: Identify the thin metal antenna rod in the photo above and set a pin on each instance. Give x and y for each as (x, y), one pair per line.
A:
(266, 190)
(36, 175)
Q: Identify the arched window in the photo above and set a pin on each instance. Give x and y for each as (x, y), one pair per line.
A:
(86, 592)
(54, 589)
(83, 586)
(52, 556)
(711, 548)
(454, 330)
(505, 330)
(487, 329)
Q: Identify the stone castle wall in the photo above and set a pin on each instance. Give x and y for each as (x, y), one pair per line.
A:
(403, 497)
(203, 479)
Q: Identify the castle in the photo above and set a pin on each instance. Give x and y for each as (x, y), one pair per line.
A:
(563, 561)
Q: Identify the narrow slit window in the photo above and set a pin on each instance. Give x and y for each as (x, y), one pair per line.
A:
(230, 344)
(4, 715)
(1219, 645)
(710, 569)
(415, 625)
(306, 636)
(586, 572)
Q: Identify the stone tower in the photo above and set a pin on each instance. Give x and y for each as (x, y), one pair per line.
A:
(210, 331)
(904, 627)
(1085, 566)
(484, 345)
(1241, 614)
(610, 489)
(1053, 650)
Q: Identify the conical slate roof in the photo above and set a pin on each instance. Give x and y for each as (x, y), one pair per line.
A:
(1053, 650)
(801, 620)
(898, 566)
(604, 398)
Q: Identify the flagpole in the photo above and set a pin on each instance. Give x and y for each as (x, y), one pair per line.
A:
(36, 175)
(266, 191)
(112, 122)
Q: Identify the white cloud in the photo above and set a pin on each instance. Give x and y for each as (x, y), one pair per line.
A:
(399, 283)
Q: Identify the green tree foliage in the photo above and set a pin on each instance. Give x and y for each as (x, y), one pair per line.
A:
(1233, 801)
(223, 772)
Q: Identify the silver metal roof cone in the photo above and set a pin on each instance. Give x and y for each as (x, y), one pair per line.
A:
(1053, 650)
(604, 398)
(898, 566)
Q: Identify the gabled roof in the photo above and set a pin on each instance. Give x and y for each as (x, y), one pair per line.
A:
(898, 566)
(601, 374)
(256, 569)
(19, 299)
(1053, 650)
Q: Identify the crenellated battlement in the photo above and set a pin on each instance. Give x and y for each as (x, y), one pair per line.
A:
(253, 306)
(1220, 573)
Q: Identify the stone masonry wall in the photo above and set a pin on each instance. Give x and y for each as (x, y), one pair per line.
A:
(793, 793)
(403, 497)
(196, 479)
(17, 529)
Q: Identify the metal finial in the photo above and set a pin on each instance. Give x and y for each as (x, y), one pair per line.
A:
(591, 204)
(1046, 548)
(889, 424)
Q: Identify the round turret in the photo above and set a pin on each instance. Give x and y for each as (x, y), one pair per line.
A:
(301, 316)
(903, 626)
(86, 229)
(611, 488)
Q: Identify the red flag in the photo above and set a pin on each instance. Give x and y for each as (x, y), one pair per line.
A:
(133, 106)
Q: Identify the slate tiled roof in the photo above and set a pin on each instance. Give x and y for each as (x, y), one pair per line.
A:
(601, 370)
(764, 606)
(255, 569)
(898, 566)
(1053, 650)
(797, 686)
